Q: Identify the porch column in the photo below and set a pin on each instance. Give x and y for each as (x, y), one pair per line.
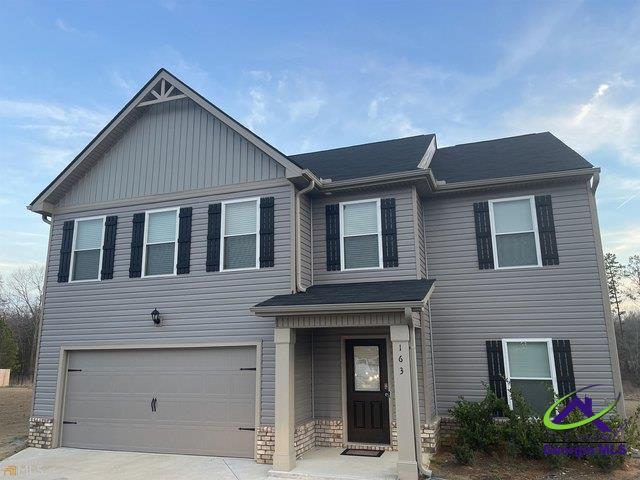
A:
(407, 465)
(284, 455)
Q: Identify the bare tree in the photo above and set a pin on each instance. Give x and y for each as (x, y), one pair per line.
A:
(21, 298)
(615, 271)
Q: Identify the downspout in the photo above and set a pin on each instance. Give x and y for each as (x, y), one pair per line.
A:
(433, 360)
(415, 400)
(45, 219)
(298, 269)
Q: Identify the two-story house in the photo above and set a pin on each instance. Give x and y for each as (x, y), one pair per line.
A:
(207, 294)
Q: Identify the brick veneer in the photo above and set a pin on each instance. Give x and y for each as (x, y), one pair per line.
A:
(40, 432)
(328, 432)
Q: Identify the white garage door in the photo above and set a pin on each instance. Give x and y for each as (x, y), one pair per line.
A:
(188, 401)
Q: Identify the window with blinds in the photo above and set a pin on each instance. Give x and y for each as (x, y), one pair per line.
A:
(515, 233)
(240, 247)
(161, 237)
(530, 370)
(87, 249)
(360, 234)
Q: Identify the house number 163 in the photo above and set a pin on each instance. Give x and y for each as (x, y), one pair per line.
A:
(400, 359)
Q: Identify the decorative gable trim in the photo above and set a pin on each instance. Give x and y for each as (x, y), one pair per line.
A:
(129, 113)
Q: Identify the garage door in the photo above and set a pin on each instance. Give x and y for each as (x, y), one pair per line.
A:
(189, 401)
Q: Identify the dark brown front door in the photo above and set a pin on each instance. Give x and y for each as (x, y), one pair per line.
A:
(367, 384)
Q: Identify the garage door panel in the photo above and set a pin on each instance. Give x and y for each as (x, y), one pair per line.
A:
(203, 398)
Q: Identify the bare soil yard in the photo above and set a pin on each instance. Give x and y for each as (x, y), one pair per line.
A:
(15, 406)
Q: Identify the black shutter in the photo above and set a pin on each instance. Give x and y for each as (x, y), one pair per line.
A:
(266, 232)
(547, 230)
(497, 377)
(483, 235)
(109, 247)
(184, 241)
(137, 244)
(65, 251)
(213, 237)
(389, 232)
(564, 367)
(333, 236)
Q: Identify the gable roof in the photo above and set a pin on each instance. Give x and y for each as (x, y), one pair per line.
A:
(109, 135)
(505, 157)
(378, 158)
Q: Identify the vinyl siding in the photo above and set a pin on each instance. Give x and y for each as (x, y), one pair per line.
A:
(172, 147)
(303, 376)
(421, 247)
(405, 208)
(197, 307)
(470, 305)
(306, 263)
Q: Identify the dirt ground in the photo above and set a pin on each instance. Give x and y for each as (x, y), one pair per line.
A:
(488, 467)
(15, 406)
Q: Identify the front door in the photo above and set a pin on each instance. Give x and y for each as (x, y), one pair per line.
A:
(367, 390)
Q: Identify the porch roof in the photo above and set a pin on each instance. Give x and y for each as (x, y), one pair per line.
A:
(373, 296)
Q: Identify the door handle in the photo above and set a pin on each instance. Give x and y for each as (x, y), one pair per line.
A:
(387, 393)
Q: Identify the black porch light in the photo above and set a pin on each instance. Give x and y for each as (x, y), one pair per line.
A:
(155, 316)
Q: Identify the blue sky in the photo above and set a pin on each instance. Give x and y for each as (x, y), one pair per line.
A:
(311, 77)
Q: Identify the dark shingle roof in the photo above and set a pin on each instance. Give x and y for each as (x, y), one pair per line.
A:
(505, 157)
(365, 292)
(366, 160)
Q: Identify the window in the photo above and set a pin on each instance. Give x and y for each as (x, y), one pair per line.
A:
(529, 368)
(240, 246)
(87, 249)
(360, 235)
(514, 230)
(366, 361)
(161, 235)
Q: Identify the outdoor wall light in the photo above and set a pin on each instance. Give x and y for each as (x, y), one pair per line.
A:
(155, 316)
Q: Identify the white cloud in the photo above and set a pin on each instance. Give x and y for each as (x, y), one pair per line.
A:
(623, 242)
(307, 108)
(257, 114)
(121, 82)
(62, 25)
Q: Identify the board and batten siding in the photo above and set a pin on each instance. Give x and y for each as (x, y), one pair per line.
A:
(407, 263)
(172, 147)
(470, 306)
(197, 307)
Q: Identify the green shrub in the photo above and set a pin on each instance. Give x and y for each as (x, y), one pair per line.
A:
(525, 434)
(463, 454)
(476, 426)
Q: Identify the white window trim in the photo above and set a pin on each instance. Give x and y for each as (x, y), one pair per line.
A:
(507, 370)
(379, 219)
(73, 249)
(534, 222)
(223, 233)
(144, 249)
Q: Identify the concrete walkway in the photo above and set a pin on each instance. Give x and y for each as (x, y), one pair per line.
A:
(76, 464)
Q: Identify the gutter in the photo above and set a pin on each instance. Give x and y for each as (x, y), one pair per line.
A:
(297, 260)
(415, 398)
(441, 186)
(283, 310)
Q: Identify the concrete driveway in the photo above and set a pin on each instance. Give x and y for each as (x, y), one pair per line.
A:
(75, 464)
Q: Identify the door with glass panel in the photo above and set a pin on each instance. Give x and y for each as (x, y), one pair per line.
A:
(367, 391)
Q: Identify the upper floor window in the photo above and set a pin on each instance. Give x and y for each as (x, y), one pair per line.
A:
(240, 227)
(360, 235)
(87, 249)
(515, 232)
(529, 368)
(161, 235)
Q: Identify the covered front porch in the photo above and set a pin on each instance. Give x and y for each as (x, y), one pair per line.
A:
(350, 372)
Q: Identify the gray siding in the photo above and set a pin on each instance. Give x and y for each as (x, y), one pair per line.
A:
(470, 305)
(303, 374)
(306, 253)
(197, 307)
(406, 240)
(420, 244)
(173, 147)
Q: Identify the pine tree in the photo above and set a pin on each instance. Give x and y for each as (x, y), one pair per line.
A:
(615, 271)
